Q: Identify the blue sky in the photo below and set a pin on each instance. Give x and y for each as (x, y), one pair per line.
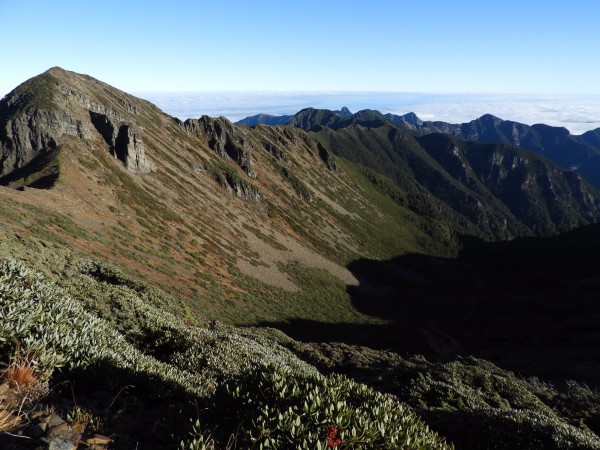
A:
(407, 46)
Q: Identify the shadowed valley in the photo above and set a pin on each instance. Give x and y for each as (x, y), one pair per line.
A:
(529, 305)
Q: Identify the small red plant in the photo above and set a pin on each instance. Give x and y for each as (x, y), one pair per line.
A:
(21, 375)
(332, 438)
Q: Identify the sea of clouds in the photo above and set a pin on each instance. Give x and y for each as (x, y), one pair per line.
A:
(576, 113)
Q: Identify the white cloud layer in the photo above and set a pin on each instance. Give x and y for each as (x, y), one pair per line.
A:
(577, 114)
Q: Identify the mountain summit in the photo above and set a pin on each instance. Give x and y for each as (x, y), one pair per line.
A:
(42, 111)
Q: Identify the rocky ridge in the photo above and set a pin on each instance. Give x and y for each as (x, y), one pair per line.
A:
(577, 153)
(224, 140)
(494, 191)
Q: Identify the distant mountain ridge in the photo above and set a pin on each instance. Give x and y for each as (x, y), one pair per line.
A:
(264, 119)
(580, 153)
(491, 190)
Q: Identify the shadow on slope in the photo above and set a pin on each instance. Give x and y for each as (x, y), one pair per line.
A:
(530, 305)
(135, 409)
(41, 172)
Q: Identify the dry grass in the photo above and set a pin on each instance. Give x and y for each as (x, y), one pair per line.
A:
(25, 387)
(9, 421)
(21, 374)
(22, 377)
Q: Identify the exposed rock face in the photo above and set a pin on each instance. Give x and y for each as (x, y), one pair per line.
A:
(327, 157)
(224, 140)
(92, 105)
(499, 191)
(124, 143)
(344, 112)
(275, 151)
(130, 149)
(26, 137)
(241, 189)
(541, 195)
(35, 118)
(576, 153)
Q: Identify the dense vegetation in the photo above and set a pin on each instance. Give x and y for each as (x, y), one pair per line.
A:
(254, 392)
(218, 368)
(471, 401)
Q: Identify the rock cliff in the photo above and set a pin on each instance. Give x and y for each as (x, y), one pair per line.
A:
(36, 118)
(224, 140)
(124, 142)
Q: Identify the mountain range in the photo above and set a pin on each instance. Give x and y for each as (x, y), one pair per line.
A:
(307, 281)
(577, 153)
(483, 188)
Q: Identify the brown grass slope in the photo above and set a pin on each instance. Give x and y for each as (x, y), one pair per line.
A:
(229, 218)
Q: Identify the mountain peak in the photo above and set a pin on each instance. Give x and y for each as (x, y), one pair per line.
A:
(344, 112)
(44, 112)
(412, 118)
(369, 114)
(57, 70)
(490, 118)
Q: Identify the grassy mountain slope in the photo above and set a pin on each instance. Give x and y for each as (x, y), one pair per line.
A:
(126, 233)
(149, 361)
(208, 213)
(488, 190)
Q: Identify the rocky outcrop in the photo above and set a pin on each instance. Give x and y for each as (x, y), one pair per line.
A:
(241, 189)
(275, 151)
(327, 157)
(224, 139)
(33, 136)
(92, 105)
(124, 143)
(229, 179)
(36, 117)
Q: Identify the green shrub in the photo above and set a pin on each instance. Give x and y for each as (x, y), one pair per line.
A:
(36, 317)
(40, 317)
(273, 408)
(477, 405)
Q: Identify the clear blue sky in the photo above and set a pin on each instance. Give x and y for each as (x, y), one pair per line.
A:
(523, 46)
